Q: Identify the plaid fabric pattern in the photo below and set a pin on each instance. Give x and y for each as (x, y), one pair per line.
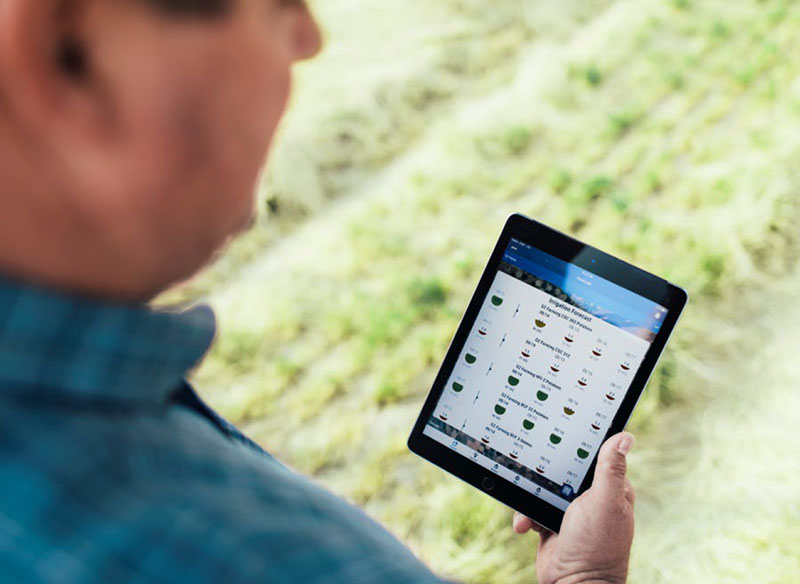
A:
(113, 470)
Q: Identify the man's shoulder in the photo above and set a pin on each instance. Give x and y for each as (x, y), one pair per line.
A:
(160, 494)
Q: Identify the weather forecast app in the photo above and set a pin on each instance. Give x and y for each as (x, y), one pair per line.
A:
(546, 365)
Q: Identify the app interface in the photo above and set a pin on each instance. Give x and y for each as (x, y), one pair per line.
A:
(543, 372)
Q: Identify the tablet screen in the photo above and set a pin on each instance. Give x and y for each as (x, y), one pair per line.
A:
(543, 372)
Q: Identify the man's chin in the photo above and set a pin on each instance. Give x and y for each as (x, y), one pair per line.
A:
(206, 254)
(246, 224)
(245, 218)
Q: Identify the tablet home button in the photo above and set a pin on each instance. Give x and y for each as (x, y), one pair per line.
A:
(487, 483)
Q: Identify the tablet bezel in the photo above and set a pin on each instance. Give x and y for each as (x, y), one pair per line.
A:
(568, 249)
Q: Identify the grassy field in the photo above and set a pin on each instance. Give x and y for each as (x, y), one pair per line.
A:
(666, 132)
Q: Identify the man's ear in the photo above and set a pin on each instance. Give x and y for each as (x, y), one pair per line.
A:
(46, 76)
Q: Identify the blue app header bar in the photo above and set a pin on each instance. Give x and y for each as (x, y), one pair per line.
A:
(597, 296)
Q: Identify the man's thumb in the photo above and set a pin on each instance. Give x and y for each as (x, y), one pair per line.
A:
(609, 476)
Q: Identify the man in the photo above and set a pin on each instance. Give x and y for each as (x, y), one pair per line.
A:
(132, 133)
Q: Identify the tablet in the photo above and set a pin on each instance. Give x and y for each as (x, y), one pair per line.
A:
(550, 359)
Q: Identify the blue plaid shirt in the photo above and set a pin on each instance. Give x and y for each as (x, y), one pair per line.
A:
(112, 469)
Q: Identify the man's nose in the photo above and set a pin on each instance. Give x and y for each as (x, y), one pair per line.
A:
(307, 37)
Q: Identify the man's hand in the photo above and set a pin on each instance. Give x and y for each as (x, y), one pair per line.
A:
(597, 532)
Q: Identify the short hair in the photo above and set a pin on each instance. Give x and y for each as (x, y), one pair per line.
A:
(191, 7)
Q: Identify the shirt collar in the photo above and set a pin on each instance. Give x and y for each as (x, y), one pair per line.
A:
(54, 344)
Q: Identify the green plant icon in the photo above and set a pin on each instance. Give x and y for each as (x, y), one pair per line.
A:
(541, 396)
(555, 438)
(496, 300)
(540, 323)
(583, 453)
(470, 358)
(569, 411)
(499, 410)
(513, 381)
(457, 387)
(527, 424)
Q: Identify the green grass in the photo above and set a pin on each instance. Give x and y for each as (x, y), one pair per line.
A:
(664, 132)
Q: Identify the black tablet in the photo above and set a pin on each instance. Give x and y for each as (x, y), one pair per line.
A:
(550, 358)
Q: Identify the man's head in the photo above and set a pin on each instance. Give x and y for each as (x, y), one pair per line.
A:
(132, 133)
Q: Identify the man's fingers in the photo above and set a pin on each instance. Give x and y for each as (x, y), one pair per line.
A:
(522, 524)
(609, 476)
(610, 482)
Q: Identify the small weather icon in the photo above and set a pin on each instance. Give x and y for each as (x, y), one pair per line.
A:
(569, 411)
(442, 417)
(583, 382)
(554, 369)
(541, 396)
(499, 410)
(497, 300)
(583, 454)
(457, 387)
(483, 331)
(555, 438)
(540, 323)
(470, 358)
(526, 353)
(569, 339)
(597, 352)
(527, 424)
(595, 426)
(610, 397)
(540, 469)
(513, 381)
(625, 366)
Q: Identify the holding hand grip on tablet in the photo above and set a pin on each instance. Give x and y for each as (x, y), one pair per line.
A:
(597, 532)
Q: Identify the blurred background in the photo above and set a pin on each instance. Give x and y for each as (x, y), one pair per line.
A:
(663, 131)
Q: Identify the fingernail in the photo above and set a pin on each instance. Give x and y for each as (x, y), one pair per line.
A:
(626, 443)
